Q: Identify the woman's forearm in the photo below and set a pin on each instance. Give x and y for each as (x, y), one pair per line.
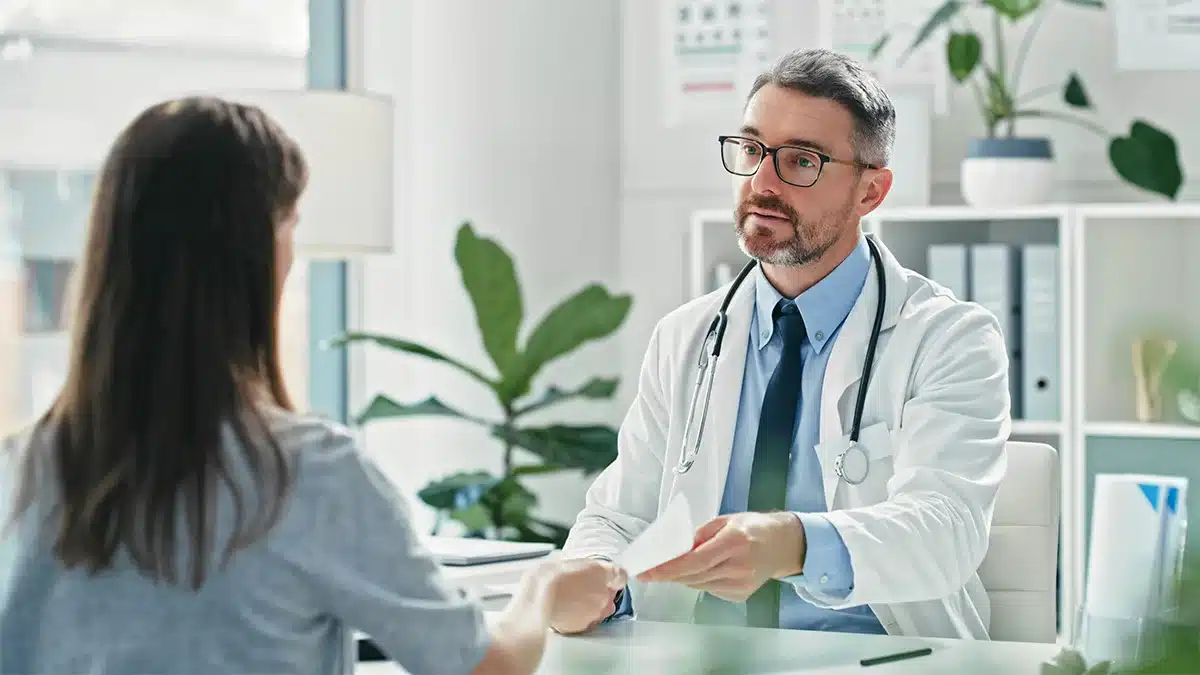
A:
(518, 634)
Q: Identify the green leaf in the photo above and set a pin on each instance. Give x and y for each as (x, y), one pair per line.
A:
(491, 280)
(475, 518)
(535, 469)
(382, 407)
(1094, 4)
(402, 345)
(1075, 94)
(596, 388)
(1147, 158)
(877, 48)
(540, 530)
(590, 314)
(962, 54)
(939, 18)
(512, 501)
(589, 448)
(1014, 10)
(457, 491)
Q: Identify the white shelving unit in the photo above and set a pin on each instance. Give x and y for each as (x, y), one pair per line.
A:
(1124, 270)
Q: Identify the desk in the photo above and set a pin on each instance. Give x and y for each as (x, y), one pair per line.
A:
(663, 648)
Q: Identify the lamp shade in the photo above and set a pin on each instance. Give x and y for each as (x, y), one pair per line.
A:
(347, 139)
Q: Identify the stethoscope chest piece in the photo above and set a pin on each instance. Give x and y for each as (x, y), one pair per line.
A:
(852, 464)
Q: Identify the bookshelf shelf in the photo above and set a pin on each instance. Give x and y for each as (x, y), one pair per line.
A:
(1123, 270)
(1142, 430)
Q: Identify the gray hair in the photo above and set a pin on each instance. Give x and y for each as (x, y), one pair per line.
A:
(825, 74)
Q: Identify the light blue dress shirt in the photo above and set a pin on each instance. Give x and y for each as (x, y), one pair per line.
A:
(827, 569)
(824, 307)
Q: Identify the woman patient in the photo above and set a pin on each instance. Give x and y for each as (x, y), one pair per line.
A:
(171, 512)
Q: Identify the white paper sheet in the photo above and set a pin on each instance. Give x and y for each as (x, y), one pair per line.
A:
(669, 536)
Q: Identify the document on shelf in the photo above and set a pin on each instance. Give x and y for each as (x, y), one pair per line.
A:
(669, 536)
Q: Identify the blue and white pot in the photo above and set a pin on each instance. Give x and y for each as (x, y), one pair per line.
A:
(1000, 172)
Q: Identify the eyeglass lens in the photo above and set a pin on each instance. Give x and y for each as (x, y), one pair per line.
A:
(795, 165)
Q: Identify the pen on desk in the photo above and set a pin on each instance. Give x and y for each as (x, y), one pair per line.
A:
(899, 656)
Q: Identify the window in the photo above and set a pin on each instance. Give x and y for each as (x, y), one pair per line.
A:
(72, 72)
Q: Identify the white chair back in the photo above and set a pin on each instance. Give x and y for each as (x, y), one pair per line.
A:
(1020, 569)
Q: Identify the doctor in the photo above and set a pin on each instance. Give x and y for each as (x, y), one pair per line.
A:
(846, 470)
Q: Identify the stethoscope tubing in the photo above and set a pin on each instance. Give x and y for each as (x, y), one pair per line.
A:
(708, 363)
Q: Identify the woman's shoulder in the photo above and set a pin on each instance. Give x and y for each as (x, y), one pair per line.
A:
(318, 446)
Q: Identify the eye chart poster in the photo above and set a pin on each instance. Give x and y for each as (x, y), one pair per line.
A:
(713, 50)
(853, 27)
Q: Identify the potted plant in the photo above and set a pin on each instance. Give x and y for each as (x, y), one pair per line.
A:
(500, 506)
(1002, 168)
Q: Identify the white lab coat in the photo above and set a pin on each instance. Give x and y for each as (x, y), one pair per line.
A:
(936, 418)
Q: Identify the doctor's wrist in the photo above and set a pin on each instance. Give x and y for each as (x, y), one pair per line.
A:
(790, 545)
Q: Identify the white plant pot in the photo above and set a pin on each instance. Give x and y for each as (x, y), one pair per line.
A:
(1002, 172)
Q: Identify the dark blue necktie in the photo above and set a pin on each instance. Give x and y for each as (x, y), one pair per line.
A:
(773, 447)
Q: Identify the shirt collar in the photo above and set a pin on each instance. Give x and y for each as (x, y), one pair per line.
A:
(824, 306)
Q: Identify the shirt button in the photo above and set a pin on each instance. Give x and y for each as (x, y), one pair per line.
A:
(820, 335)
(766, 335)
(824, 578)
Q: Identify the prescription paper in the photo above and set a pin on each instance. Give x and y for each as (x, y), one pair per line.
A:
(669, 536)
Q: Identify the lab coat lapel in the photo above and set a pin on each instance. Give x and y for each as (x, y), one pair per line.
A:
(845, 365)
(717, 448)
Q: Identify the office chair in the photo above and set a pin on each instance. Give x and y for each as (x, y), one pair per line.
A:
(1020, 570)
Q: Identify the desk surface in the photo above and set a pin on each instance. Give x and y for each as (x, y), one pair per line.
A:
(665, 648)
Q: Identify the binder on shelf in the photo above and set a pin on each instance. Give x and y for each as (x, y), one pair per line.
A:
(948, 266)
(1039, 332)
(995, 284)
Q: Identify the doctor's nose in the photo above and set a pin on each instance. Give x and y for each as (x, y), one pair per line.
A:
(766, 180)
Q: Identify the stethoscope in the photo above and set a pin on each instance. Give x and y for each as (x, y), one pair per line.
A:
(851, 465)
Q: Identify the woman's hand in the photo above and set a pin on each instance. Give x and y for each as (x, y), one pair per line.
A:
(582, 593)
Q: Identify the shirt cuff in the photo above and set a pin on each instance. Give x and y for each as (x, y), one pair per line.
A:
(827, 570)
(624, 604)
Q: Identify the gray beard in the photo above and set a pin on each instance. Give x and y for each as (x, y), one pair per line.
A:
(793, 253)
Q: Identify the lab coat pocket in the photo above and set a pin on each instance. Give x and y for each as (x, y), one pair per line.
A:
(866, 477)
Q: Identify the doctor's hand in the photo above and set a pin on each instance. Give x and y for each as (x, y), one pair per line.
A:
(584, 594)
(734, 555)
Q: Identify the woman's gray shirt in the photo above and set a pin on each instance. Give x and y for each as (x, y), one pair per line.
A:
(344, 556)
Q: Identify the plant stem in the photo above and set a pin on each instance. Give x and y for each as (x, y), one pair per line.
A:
(988, 122)
(1064, 117)
(1023, 50)
(998, 29)
(1004, 91)
(508, 445)
(1039, 92)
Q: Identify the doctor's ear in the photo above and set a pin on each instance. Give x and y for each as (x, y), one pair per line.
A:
(873, 186)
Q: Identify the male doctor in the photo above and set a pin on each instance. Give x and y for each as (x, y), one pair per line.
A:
(786, 541)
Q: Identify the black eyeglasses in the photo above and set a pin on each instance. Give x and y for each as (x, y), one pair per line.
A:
(794, 165)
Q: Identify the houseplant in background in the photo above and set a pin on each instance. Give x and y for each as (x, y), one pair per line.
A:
(1002, 168)
(500, 506)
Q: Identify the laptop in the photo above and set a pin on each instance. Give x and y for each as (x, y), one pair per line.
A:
(461, 552)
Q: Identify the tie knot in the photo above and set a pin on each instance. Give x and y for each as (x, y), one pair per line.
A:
(789, 322)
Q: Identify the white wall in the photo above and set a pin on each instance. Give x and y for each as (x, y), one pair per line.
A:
(667, 173)
(508, 118)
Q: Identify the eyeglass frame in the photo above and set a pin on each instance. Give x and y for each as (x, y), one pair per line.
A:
(773, 152)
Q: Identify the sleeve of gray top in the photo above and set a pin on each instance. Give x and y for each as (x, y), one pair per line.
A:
(373, 572)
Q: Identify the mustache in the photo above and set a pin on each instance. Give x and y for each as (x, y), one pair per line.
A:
(766, 203)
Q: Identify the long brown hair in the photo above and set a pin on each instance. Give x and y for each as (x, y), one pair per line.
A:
(174, 344)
